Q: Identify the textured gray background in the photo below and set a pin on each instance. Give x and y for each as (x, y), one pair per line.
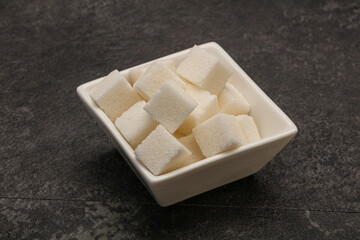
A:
(60, 177)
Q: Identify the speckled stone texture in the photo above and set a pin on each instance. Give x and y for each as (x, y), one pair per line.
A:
(60, 177)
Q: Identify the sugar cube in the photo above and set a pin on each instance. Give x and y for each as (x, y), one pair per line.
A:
(161, 152)
(170, 105)
(196, 92)
(249, 128)
(206, 108)
(218, 134)
(135, 124)
(135, 74)
(153, 78)
(190, 143)
(231, 101)
(114, 95)
(204, 70)
(170, 64)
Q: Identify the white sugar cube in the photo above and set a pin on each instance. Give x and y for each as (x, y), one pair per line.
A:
(161, 152)
(218, 134)
(196, 92)
(190, 143)
(135, 74)
(170, 105)
(170, 64)
(206, 108)
(153, 78)
(135, 124)
(114, 95)
(231, 101)
(204, 70)
(249, 128)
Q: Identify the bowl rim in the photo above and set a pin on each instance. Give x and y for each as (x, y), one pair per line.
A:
(145, 174)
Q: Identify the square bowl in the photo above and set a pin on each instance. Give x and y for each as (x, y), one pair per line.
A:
(275, 128)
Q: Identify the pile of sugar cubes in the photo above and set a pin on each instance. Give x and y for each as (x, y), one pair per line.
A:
(173, 115)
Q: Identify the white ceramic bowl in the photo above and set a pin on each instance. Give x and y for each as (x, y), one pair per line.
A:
(275, 128)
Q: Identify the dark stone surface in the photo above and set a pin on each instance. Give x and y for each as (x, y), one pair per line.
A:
(60, 219)
(61, 178)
